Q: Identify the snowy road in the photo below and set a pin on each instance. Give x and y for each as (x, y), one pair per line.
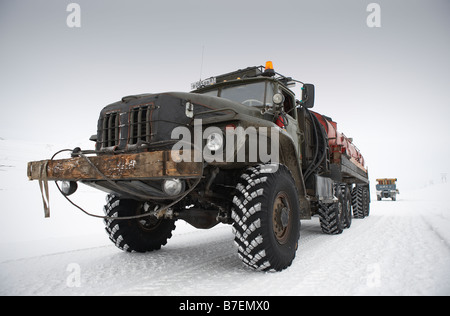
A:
(398, 250)
(403, 248)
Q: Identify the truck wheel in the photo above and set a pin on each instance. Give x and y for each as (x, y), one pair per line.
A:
(358, 202)
(136, 235)
(266, 215)
(366, 201)
(332, 217)
(347, 197)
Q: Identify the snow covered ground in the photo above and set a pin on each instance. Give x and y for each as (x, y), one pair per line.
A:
(403, 248)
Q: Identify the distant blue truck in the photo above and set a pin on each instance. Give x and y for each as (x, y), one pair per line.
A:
(387, 188)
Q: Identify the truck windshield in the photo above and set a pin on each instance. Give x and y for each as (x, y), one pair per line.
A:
(252, 94)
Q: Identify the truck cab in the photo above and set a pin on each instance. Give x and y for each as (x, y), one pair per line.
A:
(259, 88)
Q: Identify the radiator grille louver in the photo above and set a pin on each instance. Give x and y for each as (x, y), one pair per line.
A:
(126, 130)
(110, 130)
(140, 127)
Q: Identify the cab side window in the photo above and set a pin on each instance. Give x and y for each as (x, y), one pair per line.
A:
(289, 104)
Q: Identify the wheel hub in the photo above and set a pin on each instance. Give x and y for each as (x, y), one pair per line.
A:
(281, 218)
(151, 222)
(284, 217)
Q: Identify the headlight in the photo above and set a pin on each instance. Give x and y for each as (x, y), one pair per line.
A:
(278, 98)
(214, 142)
(173, 187)
(68, 187)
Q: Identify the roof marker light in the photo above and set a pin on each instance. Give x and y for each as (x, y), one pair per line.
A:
(269, 71)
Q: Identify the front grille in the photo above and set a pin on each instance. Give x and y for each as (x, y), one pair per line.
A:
(110, 129)
(140, 127)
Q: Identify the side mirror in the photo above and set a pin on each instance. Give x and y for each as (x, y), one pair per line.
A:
(308, 96)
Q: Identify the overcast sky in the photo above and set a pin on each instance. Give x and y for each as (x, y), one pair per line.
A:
(387, 87)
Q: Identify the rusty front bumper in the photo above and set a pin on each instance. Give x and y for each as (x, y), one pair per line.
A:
(106, 171)
(140, 166)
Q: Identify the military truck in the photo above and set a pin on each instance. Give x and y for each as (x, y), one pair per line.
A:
(387, 188)
(239, 149)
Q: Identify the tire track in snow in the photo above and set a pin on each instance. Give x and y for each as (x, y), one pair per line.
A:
(392, 252)
(436, 232)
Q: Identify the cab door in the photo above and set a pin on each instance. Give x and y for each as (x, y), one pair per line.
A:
(290, 110)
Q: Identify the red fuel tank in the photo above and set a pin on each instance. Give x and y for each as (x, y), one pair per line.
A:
(338, 142)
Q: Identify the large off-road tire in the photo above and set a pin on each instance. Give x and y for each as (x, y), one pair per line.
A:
(347, 200)
(332, 217)
(366, 201)
(360, 201)
(135, 235)
(357, 202)
(266, 215)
